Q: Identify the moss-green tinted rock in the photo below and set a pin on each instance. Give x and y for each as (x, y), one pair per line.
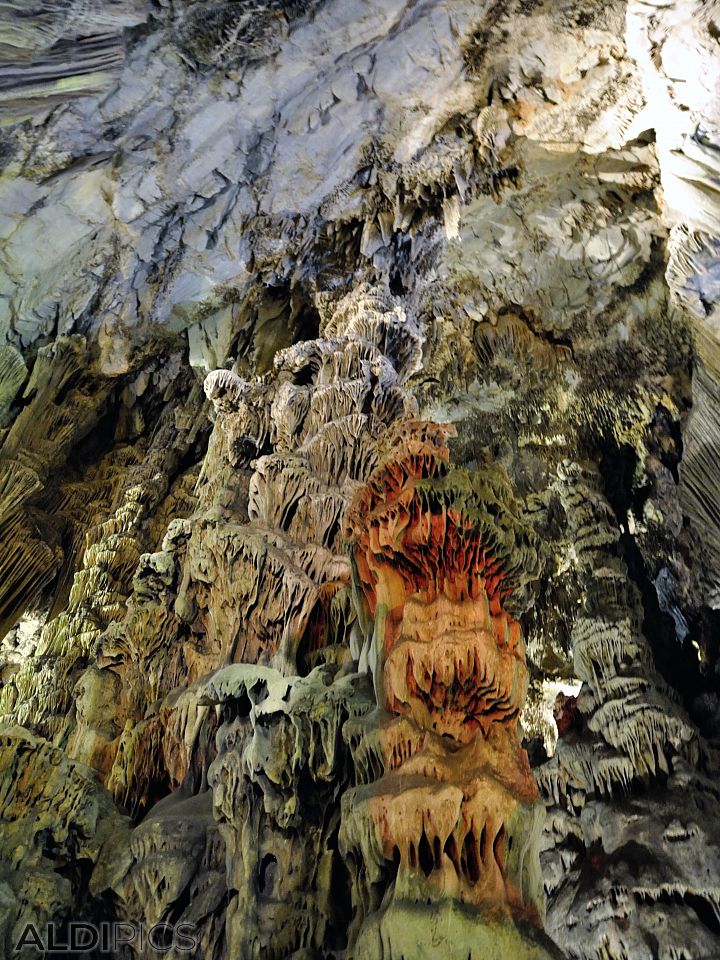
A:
(449, 931)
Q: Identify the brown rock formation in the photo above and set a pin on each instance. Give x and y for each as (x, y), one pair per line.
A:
(454, 814)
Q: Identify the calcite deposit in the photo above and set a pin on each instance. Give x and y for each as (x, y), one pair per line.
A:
(359, 478)
(454, 816)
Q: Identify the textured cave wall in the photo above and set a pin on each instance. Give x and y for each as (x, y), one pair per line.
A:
(248, 252)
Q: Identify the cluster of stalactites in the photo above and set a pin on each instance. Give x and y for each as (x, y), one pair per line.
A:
(436, 552)
(309, 432)
(636, 728)
(443, 530)
(281, 766)
(445, 791)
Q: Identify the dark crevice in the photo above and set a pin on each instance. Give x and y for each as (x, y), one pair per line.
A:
(675, 659)
(425, 855)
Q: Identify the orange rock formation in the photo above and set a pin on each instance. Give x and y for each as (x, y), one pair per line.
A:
(455, 809)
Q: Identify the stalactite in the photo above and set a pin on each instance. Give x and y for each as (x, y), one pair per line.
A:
(449, 813)
(633, 730)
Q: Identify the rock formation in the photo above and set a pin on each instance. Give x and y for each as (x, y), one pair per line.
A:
(359, 539)
(447, 811)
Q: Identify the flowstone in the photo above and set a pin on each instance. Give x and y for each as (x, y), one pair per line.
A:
(446, 818)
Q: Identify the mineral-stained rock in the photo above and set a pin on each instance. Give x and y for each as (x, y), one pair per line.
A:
(447, 812)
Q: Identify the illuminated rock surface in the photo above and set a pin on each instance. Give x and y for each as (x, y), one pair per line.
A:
(359, 475)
